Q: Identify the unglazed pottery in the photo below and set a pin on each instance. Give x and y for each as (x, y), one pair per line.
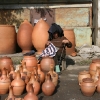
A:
(40, 35)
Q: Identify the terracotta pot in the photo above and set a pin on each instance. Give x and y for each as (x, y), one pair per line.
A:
(83, 74)
(4, 82)
(30, 95)
(48, 86)
(18, 85)
(87, 86)
(31, 62)
(69, 34)
(45, 64)
(24, 36)
(5, 62)
(7, 39)
(40, 35)
(98, 85)
(35, 84)
(93, 66)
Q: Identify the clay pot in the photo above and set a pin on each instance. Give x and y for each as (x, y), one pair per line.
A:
(5, 62)
(24, 36)
(48, 86)
(35, 84)
(11, 95)
(7, 39)
(45, 64)
(93, 66)
(41, 73)
(31, 62)
(18, 84)
(30, 95)
(88, 86)
(98, 85)
(4, 82)
(83, 74)
(69, 34)
(40, 35)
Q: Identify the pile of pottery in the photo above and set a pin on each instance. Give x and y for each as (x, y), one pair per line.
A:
(89, 80)
(29, 77)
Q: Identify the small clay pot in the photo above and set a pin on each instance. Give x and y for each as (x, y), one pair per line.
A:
(87, 86)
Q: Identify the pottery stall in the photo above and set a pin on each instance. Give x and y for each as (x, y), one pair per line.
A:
(27, 78)
(89, 80)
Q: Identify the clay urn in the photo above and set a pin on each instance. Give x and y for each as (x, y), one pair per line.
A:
(48, 86)
(35, 84)
(31, 62)
(41, 73)
(30, 95)
(45, 64)
(88, 86)
(83, 74)
(70, 35)
(18, 84)
(93, 66)
(24, 36)
(5, 62)
(11, 95)
(4, 82)
(98, 85)
(7, 39)
(40, 35)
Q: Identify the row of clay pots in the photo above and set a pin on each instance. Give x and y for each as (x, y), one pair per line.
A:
(89, 80)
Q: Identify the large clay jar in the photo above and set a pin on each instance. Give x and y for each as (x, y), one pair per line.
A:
(93, 66)
(88, 86)
(5, 62)
(24, 36)
(7, 39)
(18, 85)
(69, 34)
(31, 62)
(45, 64)
(48, 86)
(30, 95)
(83, 74)
(98, 85)
(4, 82)
(40, 35)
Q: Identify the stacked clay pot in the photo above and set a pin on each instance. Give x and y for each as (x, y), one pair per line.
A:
(7, 39)
(40, 35)
(24, 36)
(69, 34)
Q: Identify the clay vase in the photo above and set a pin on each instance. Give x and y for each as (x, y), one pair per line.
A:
(11, 95)
(48, 86)
(45, 64)
(83, 74)
(41, 73)
(40, 35)
(54, 76)
(93, 66)
(31, 62)
(4, 82)
(5, 62)
(24, 36)
(87, 86)
(69, 34)
(18, 84)
(35, 84)
(7, 39)
(30, 95)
